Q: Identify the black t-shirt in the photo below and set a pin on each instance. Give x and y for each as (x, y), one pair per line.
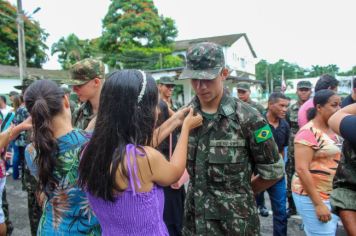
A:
(348, 130)
(347, 101)
(281, 134)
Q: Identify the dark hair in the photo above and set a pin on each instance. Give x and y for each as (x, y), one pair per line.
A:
(325, 82)
(3, 98)
(121, 120)
(275, 96)
(321, 98)
(354, 83)
(43, 100)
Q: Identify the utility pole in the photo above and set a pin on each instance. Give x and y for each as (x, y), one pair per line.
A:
(21, 40)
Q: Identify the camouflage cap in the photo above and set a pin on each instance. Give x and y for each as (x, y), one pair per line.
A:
(243, 86)
(85, 70)
(166, 80)
(304, 84)
(204, 61)
(27, 82)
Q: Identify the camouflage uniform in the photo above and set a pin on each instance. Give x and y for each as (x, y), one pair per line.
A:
(344, 186)
(294, 127)
(246, 87)
(290, 164)
(222, 155)
(257, 106)
(81, 73)
(82, 116)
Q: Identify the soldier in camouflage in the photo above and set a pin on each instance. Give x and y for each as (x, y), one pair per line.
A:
(244, 92)
(87, 78)
(233, 141)
(303, 92)
(343, 196)
(166, 86)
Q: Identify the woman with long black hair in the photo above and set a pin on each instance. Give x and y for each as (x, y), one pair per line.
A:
(120, 169)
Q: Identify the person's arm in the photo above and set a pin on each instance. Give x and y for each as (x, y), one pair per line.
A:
(335, 120)
(168, 172)
(168, 126)
(5, 137)
(303, 155)
(259, 184)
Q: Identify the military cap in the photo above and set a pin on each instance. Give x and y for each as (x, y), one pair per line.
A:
(26, 82)
(204, 61)
(85, 70)
(166, 80)
(304, 84)
(243, 86)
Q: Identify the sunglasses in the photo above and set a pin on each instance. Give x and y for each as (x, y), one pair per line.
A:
(170, 86)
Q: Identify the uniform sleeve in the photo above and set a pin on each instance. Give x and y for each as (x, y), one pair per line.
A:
(30, 154)
(286, 142)
(262, 147)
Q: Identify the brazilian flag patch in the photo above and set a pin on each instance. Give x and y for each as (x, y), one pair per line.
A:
(263, 134)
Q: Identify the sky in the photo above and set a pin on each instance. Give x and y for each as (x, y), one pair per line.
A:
(305, 32)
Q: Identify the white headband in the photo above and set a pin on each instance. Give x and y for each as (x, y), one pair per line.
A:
(143, 89)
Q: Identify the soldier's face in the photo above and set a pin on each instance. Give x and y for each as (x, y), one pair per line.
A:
(304, 94)
(85, 91)
(208, 90)
(166, 90)
(244, 95)
(279, 108)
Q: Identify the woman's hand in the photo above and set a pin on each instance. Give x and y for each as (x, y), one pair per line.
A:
(179, 116)
(323, 213)
(192, 121)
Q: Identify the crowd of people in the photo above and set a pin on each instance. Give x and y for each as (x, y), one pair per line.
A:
(129, 160)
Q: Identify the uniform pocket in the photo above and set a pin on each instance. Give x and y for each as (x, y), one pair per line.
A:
(226, 160)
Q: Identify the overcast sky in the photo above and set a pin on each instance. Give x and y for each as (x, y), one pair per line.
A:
(306, 32)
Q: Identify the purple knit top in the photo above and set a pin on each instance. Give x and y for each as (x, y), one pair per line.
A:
(132, 213)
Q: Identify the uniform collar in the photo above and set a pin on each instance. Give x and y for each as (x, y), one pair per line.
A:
(226, 106)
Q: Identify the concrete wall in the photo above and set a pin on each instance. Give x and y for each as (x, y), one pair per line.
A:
(239, 57)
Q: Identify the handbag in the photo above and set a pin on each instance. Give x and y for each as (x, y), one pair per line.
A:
(185, 176)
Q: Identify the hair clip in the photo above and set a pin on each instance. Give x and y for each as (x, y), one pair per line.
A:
(143, 89)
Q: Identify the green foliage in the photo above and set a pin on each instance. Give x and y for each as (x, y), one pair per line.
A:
(72, 49)
(35, 37)
(351, 72)
(135, 36)
(317, 70)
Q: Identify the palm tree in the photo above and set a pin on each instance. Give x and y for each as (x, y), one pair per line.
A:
(71, 50)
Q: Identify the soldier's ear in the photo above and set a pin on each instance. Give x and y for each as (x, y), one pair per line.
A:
(97, 81)
(224, 73)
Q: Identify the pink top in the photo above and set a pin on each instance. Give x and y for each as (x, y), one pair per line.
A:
(325, 160)
(302, 113)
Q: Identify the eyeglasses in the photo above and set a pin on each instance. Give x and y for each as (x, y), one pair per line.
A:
(304, 89)
(171, 86)
(241, 91)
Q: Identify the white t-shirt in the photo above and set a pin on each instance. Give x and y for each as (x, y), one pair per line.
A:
(5, 110)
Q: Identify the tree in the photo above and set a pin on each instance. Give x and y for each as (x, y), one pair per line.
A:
(72, 49)
(268, 72)
(135, 36)
(317, 70)
(35, 38)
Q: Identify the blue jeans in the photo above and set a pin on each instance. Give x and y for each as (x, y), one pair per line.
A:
(312, 225)
(277, 194)
(15, 162)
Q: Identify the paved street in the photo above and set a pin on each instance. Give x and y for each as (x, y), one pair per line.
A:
(18, 214)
